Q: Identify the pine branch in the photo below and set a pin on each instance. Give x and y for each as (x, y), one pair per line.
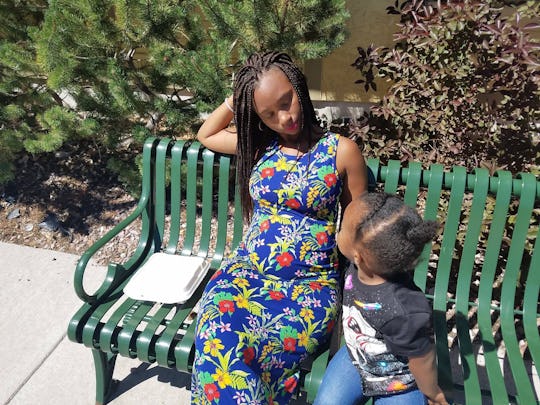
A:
(138, 81)
(282, 23)
(56, 97)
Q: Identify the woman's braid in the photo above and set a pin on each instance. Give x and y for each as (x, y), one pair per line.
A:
(252, 139)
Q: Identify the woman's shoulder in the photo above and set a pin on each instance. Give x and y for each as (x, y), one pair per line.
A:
(330, 135)
(327, 138)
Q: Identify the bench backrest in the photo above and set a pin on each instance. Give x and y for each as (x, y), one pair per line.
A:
(482, 274)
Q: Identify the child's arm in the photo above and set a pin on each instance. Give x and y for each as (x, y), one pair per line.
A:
(424, 370)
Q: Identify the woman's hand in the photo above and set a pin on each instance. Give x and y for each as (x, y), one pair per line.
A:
(216, 133)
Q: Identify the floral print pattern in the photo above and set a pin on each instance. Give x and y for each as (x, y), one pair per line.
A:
(274, 300)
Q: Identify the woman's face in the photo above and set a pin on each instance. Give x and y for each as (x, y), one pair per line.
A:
(277, 104)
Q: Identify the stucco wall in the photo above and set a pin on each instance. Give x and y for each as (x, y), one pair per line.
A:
(333, 77)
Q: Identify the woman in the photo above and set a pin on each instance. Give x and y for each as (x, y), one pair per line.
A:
(274, 300)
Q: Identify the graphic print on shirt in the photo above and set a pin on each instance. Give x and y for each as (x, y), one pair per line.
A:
(381, 371)
(362, 334)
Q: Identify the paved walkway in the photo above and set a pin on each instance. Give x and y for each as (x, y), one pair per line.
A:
(39, 364)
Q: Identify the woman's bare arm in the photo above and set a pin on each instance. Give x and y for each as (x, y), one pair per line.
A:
(352, 167)
(216, 133)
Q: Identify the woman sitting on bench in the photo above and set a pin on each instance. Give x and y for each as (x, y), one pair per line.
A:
(275, 298)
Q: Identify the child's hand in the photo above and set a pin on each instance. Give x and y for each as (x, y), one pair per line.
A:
(439, 399)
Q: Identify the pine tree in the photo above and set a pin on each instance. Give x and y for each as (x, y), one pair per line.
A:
(121, 70)
(27, 105)
(305, 29)
(103, 54)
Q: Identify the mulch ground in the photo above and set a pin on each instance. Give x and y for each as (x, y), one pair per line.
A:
(65, 201)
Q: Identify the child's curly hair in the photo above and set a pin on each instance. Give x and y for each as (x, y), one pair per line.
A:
(392, 232)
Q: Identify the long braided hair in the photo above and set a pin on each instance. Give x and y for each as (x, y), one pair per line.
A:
(253, 136)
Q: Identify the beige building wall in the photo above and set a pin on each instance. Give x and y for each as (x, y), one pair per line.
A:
(332, 78)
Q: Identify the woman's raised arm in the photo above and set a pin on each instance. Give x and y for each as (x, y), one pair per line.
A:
(216, 133)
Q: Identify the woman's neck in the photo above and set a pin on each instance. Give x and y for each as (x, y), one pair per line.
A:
(302, 143)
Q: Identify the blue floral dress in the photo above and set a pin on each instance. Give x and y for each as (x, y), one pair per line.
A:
(274, 300)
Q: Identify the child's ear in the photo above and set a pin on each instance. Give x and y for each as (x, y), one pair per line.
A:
(358, 259)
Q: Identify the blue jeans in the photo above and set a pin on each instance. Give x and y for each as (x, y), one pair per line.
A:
(342, 385)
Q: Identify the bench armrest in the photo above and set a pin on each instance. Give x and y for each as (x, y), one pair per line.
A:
(115, 272)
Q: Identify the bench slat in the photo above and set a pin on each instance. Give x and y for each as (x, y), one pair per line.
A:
(191, 198)
(222, 210)
(412, 178)
(206, 203)
(146, 340)
(530, 303)
(107, 335)
(164, 344)
(485, 288)
(433, 180)
(465, 273)
(177, 181)
(511, 281)
(442, 277)
(160, 190)
(129, 327)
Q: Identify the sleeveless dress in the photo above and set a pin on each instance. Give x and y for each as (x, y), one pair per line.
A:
(275, 298)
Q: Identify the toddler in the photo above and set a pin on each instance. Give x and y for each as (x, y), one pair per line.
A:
(387, 321)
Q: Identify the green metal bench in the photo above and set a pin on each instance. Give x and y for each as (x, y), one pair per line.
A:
(483, 275)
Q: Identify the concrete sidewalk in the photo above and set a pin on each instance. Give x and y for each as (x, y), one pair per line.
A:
(39, 364)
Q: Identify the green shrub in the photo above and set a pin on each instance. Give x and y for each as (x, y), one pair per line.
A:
(464, 85)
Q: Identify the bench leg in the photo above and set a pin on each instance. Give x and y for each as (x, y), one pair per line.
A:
(104, 365)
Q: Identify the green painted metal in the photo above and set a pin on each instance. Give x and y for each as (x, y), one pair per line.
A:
(314, 377)
(177, 180)
(191, 197)
(530, 304)
(392, 176)
(222, 210)
(527, 190)
(455, 180)
(433, 180)
(187, 190)
(373, 173)
(104, 365)
(170, 334)
(144, 343)
(412, 176)
(207, 202)
(128, 332)
(463, 288)
(159, 192)
(485, 290)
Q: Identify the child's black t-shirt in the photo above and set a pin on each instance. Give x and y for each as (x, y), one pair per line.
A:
(384, 325)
